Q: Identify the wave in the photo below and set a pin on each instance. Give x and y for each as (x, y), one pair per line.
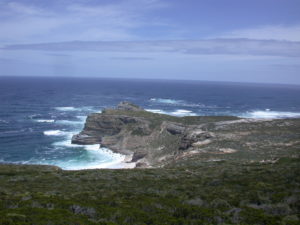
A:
(89, 157)
(166, 101)
(183, 112)
(45, 121)
(93, 157)
(86, 156)
(54, 133)
(157, 111)
(66, 108)
(178, 112)
(69, 122)
(268, 114)
(182, 103)
(71, 108)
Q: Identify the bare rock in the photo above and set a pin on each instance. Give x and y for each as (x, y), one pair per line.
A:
(128, 106)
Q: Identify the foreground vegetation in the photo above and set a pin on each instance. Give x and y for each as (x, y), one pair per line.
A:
(220, 170)
(222, 192)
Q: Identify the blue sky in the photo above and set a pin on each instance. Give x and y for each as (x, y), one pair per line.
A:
(217, 40)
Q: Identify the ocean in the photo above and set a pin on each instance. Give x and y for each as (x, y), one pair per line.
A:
(38, 116)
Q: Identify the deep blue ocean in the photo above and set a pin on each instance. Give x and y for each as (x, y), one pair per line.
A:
(38, 116)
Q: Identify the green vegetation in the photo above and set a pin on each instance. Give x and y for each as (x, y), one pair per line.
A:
(156, 118)
(223, 192)
(242, 172)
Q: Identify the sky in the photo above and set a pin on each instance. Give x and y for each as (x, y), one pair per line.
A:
(215, 40)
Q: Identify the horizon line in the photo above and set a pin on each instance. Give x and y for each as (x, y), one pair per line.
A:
(151, 79)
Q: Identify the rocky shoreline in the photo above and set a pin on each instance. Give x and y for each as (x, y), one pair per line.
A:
(156, 140)
(216, 170)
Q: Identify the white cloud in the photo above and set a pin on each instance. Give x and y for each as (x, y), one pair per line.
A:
(278, 32)
(25, 23)
(22, 9)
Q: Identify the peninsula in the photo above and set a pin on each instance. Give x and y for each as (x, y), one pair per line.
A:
(204, 170)
(157, 140)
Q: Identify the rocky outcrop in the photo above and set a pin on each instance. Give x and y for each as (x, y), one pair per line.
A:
(154, 140)
(150, 139)
(129, 106)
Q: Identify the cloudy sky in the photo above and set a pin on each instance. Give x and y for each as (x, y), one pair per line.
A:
(217, 40)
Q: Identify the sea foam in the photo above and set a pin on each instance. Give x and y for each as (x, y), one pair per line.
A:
(45, 121)
(178, 112)
(180, 103)
(66, 108)
(72, 108)
(93, 157)
(268, 114)
(166, 101)
(183, 112)
(54, 133)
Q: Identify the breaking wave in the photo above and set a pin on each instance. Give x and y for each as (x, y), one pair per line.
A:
(67, 108)
(93, 157)
(71, 108)
(78, 157)
(268, 114)
(166, 101)
(54, 133)
(45, 121)
(178, 112)
(182, 112)
(179, 103)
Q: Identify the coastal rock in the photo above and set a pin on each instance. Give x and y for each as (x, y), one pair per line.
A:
(128, 106)
(147, 137)
(156, 140)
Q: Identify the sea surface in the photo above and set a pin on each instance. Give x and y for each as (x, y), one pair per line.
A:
(38, 116)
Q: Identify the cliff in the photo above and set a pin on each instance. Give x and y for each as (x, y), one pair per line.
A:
(217, 170)
(153, 140)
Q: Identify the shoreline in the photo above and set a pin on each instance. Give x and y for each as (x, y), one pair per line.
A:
(125, 161)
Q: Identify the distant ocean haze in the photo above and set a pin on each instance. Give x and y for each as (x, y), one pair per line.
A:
(38, 116)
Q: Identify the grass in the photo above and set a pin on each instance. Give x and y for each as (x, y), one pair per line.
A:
(205, 193)
(156, 118)
(208, 187)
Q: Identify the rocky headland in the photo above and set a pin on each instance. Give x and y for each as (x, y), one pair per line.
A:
(155, 140)
(216, 170)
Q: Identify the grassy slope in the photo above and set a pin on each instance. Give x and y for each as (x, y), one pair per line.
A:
(192, 190)
(206, 193)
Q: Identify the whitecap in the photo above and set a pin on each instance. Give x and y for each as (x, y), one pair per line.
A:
(183, 112)
(66, 108)
(89, 157)
(166, 101)
(181, 103)
(71, 108)
(45, 121)
(156, 111)
(33, 116)
(3, 121)
(69, 122)
(67, 141)
(54, 133)
(178, 112)
(268, 114)
(94, 158)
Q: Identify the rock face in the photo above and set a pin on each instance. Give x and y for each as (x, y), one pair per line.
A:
(155, 140)
(149, 138)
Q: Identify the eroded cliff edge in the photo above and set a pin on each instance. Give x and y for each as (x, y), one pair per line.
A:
(153, 140)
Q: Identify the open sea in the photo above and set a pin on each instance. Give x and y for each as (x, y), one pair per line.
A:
(38, 116)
